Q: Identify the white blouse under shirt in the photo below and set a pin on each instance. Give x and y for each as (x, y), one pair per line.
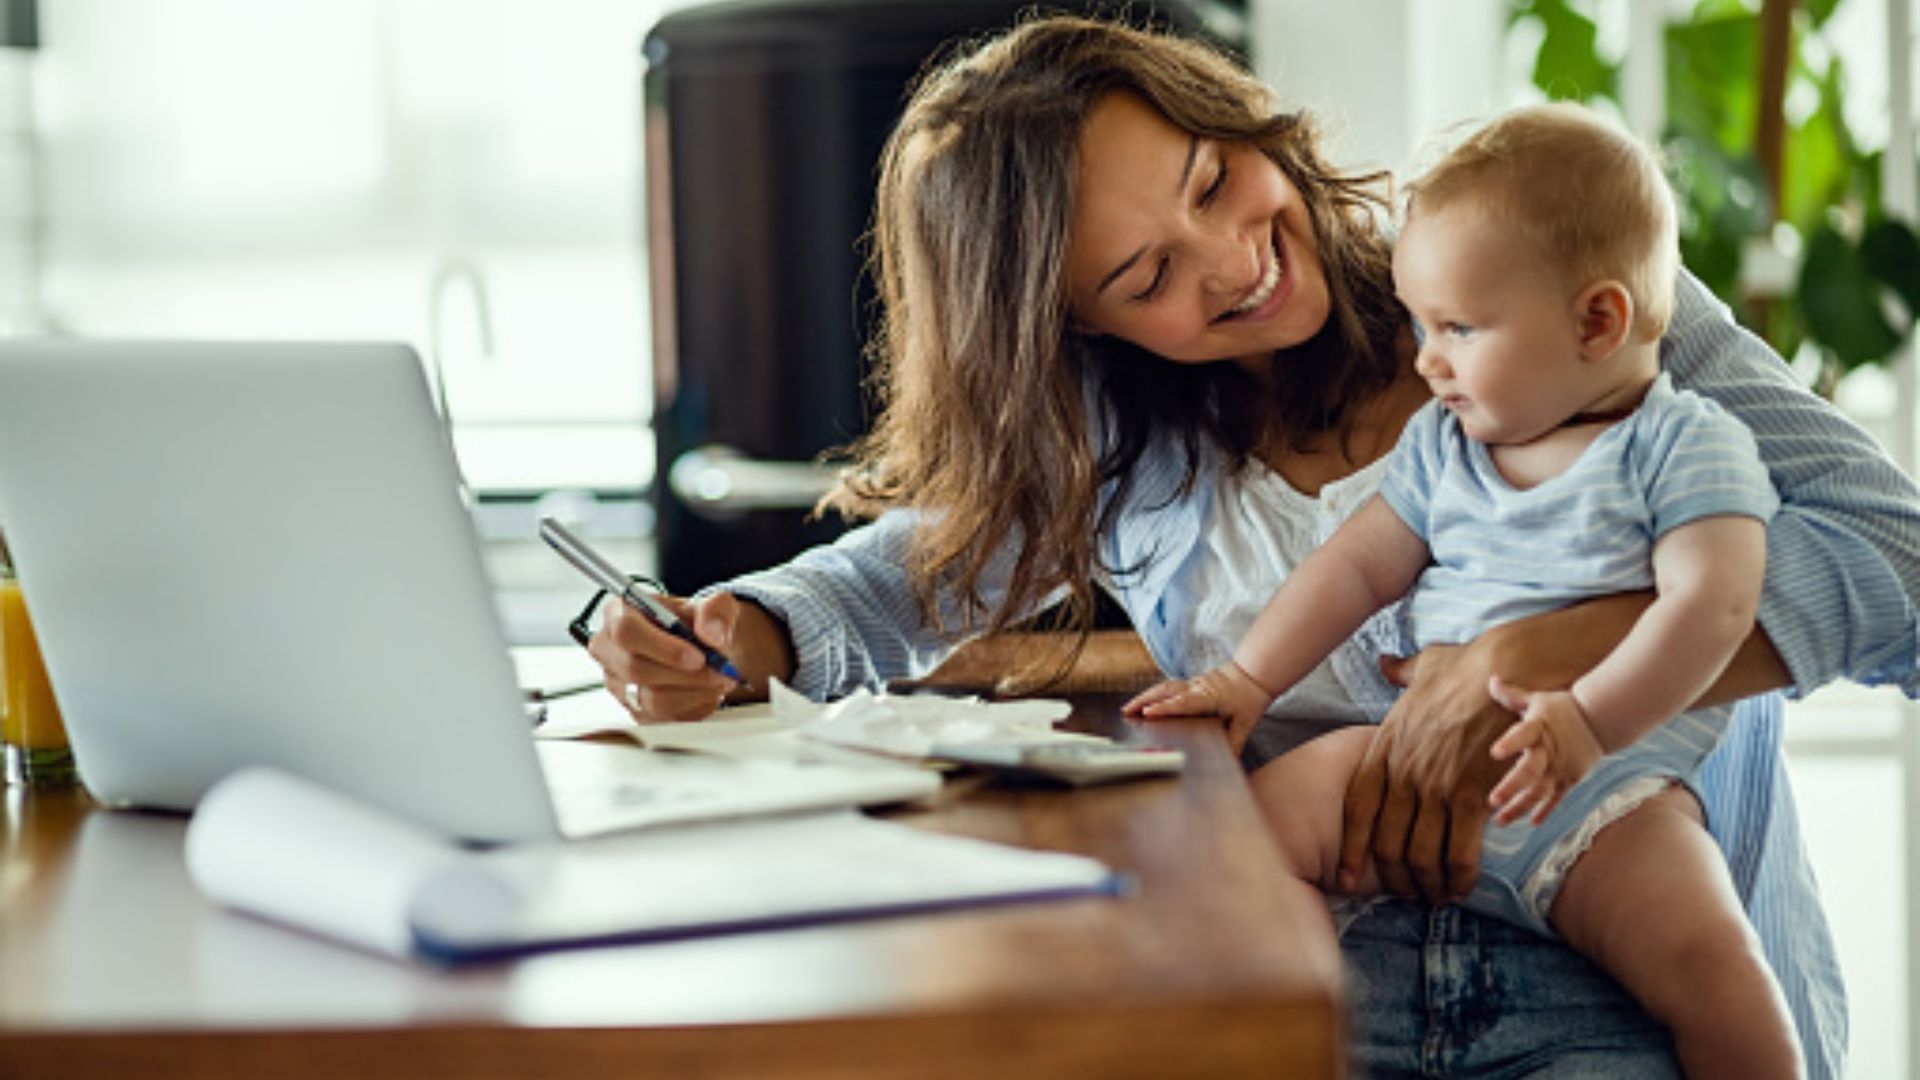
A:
(1260, 529)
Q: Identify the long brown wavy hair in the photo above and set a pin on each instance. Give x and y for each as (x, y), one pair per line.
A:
(982, 380)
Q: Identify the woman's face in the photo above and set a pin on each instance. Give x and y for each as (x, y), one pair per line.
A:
(1194, 249)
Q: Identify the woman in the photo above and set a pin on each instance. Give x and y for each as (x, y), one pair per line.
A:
(1140, 337)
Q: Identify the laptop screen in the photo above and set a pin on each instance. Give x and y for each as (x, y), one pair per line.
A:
(250, 553)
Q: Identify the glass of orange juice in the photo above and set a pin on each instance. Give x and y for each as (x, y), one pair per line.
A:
(36, 741)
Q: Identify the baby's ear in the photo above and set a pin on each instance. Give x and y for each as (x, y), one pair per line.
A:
(1603, 312)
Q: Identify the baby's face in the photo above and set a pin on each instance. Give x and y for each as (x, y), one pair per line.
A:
(1499, 340)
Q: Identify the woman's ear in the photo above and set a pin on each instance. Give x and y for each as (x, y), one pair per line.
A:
(1603, 312)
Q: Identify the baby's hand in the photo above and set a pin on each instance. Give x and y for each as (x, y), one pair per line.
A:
(1226, 692)
(1555, 745)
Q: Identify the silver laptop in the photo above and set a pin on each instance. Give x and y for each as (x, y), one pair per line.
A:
(243, 553)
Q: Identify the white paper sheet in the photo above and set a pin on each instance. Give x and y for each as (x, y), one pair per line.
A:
(729, 876)
(284, 848)
(598, 788)
(267, 842)
(912, 725)
(789, 727)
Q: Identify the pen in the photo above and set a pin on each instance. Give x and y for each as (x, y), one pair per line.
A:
(595, 566)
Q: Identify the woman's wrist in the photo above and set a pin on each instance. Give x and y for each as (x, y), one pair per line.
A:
(762, 646)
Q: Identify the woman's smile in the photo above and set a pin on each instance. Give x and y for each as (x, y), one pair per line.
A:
(1266, 296)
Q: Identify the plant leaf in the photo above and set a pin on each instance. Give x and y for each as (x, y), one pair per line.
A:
(1568, 66)
(1841, 301)
(1891, 253)
(1819, 159)
(1711, 65)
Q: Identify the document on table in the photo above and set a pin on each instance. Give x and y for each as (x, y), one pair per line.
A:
(283, 848)
(1014, 739)
(850, 730)
(599, 788)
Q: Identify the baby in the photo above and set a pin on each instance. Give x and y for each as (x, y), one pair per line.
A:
(1555, 463)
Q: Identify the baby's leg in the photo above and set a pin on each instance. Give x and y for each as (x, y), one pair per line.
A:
(1302, 793)
(1651, 902)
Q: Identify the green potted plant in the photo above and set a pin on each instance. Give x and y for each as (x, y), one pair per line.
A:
(1766, 191)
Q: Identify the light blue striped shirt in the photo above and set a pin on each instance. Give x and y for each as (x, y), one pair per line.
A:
(1502, 553)
(1843, 582)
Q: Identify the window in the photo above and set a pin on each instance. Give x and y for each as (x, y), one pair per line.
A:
(459, 174)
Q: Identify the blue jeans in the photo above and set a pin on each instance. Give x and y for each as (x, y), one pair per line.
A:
(1442, 991)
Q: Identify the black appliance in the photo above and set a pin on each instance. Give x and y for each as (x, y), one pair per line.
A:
(764, 125)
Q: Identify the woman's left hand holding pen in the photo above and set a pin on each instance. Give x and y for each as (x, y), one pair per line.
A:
(660, 677)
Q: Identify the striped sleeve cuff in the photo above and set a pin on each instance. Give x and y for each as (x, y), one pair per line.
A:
(817, 634)
(1831, 616)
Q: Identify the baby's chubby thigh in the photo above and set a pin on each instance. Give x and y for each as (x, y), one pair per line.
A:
(1302, 794)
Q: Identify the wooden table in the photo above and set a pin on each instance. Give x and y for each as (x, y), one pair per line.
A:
(111, 964)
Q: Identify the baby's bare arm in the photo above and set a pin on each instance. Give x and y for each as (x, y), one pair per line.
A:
(1367, 563)
(1707, 576)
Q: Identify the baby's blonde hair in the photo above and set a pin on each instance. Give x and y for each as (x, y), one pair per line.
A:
(1588, 197)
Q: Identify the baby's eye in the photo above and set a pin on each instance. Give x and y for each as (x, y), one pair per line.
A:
(1459, 330)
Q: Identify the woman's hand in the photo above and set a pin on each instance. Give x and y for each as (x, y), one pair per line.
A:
(659, 677)
(1419, 800)
(1556, 747)
(1226, 692)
